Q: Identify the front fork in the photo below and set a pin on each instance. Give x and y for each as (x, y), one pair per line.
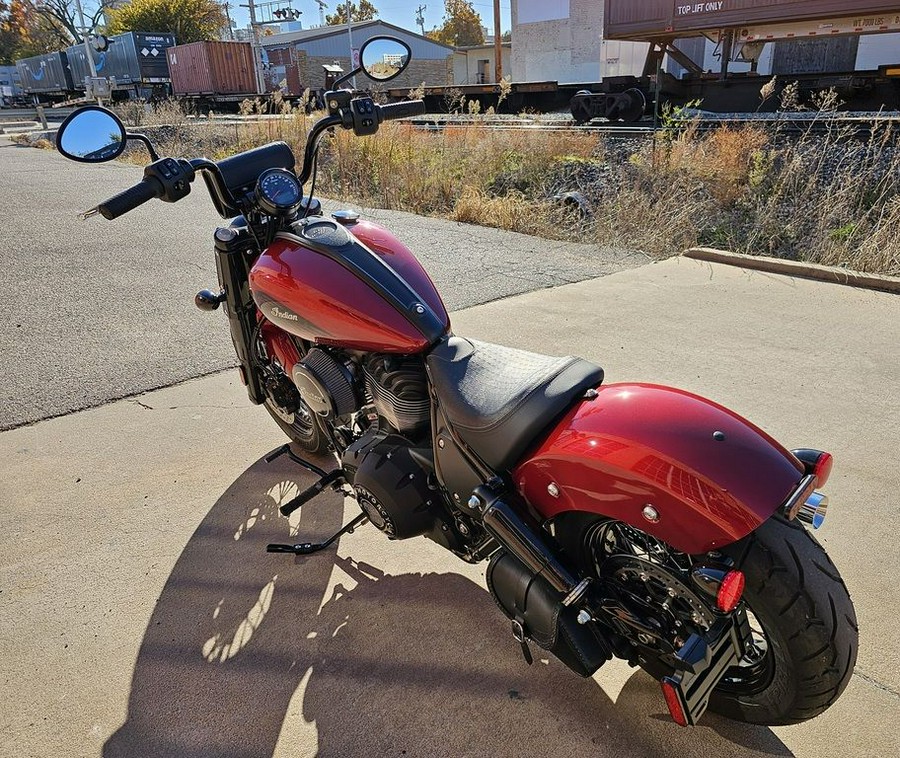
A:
(233, 267)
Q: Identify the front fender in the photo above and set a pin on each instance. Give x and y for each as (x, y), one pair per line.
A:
(711, 476)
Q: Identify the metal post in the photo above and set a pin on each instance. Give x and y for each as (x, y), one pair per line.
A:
(350, 36)
(257, 53)
(498, 46)
(87, 46)
(39, 110)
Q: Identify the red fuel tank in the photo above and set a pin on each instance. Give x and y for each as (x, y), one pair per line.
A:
(356, 287)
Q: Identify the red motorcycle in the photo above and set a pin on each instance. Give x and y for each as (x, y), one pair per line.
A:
(632, 520)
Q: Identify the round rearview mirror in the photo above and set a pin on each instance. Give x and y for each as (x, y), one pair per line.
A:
(91, 135)
(383, 58)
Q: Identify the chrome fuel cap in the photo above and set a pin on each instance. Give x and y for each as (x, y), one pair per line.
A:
(347, 218)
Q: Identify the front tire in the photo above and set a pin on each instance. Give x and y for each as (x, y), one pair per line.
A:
(806, 634)
(301, 427)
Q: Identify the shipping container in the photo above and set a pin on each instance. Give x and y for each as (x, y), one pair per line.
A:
(10, 86)
(45, 74)
(664, 19)
(133, 59)
(212, 68)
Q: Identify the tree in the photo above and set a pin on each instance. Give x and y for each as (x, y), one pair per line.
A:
(461, 27)
(188, 20)
(63, 15)
(365, 11)
(24, 33)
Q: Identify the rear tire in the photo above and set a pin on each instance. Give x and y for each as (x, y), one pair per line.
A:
(808, 624)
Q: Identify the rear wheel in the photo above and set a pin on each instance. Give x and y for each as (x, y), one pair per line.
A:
(804, 630)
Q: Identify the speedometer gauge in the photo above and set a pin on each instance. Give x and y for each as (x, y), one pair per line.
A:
(278, 191)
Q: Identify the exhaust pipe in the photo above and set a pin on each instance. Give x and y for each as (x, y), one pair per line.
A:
(813, 510)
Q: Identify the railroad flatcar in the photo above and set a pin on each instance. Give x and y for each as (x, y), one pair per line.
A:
(722, 52)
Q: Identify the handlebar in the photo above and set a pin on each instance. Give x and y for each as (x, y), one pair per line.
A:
(140, 193)
(169, 178)
(404, 109)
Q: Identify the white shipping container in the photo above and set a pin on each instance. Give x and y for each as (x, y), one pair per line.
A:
(876, 50)
(622, 58)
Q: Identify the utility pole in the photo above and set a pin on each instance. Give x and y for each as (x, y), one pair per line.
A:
(322, 7)
(420, 17)
(87, 46)
(498, 46)
(257, 52)
(350, 36)
(227, 8)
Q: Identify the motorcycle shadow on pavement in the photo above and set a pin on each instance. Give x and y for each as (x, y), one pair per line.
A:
(252, 654)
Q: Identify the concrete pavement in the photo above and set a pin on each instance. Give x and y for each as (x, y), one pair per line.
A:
(142, 617)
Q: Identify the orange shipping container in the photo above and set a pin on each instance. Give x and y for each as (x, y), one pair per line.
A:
(212, 68)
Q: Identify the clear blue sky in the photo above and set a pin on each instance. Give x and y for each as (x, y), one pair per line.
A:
(393, 11)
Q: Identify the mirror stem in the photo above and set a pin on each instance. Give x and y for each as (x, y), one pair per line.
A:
(147, 143)
(345, 77)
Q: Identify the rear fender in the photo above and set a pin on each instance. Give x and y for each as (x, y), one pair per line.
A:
(709, 476)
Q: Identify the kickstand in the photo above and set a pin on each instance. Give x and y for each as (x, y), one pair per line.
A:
(307, 548)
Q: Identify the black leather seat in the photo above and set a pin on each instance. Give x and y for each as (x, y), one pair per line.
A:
(499, 399)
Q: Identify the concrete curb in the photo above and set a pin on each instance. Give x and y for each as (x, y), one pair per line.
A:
(831, 274)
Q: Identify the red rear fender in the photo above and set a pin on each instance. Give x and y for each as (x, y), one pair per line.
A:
(710, 475)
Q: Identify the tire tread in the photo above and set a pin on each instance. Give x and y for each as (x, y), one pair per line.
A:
(815, 625)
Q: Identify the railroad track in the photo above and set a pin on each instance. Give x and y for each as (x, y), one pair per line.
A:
(847, 126)
(31, 114)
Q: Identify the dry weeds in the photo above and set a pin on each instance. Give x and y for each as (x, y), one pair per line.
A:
(824, 199)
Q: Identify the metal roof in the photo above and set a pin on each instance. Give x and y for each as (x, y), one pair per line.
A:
(320, 32)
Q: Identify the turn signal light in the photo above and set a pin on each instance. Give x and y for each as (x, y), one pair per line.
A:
(676, 710)
(730, 591)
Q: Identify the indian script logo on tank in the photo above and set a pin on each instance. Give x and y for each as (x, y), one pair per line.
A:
(690, 9)
(278, 313)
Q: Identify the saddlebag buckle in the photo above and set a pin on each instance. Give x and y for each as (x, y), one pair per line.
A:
(701, 663)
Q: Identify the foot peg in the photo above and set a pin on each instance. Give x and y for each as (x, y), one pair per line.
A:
(334, 478)
(307, 548)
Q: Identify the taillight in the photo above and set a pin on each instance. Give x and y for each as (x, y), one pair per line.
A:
(822, 468)
(676, 710)
(815, 462)
(730, 591)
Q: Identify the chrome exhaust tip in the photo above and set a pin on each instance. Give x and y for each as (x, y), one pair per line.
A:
(813, 510)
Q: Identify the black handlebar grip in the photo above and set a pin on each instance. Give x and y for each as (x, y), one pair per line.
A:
(140, 193)
(402, 110)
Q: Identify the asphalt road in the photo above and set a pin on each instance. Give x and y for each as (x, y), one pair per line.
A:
(100, 310)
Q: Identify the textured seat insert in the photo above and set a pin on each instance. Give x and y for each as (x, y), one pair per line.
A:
(499, 399)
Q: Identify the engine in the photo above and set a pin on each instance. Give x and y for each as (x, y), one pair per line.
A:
(393, 484)
(325, 384)
(399, 391)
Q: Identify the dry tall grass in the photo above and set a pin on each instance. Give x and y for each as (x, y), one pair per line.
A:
(825, 199)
